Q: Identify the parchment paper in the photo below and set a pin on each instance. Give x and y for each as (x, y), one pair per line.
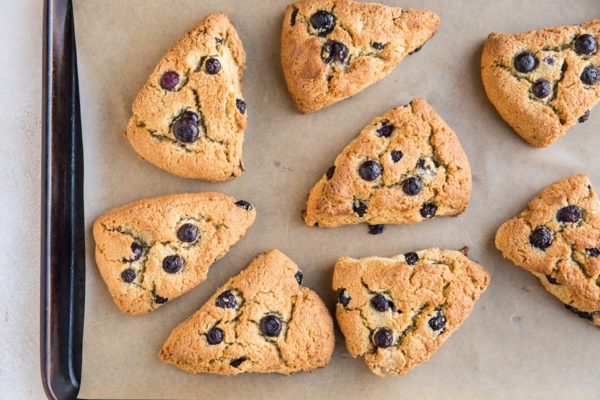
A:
(519, 342)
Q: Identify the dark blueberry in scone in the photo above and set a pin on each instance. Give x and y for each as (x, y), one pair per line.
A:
(385, 130)
(549, 60)
(585, 44)
(344, 298)
(169, 80)
(525, 62)
(551, 280)
(187, 233)
(213, 66)
(569, 214)
(238, 361)
(185, 128)
(418, 49)
(383, 338)
(360, 209)
(128, 275)
(244, 204)
(412, 186)
(411, 258)
(593, 252)
(428, 210)
(396, 155)
(323, 22)
(381, 303)
(214, 336)
(299, 277)
(541, 89)
(226, 300)
(584, 117)
(137, 250)
(172, 264)
(270, 325)
(541, 237)
(159, 299)
(589, 76)
(370, 170)
(293, 18)
(376, 229)
(334, 50)
(330, 171)
(377, 45)
(580, 314)
(438, 321)
(241, 105)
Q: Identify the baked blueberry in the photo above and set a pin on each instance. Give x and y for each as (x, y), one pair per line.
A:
(377, 45)
(411, 258)
(330, 171)
(344, 298)
(244, 204)
(418, 49)
(593, 252)
(380, 303)
(334, 50)
(323, 22)
(525, 62)
(569, 214)
(187, 233)
(186, 129)
(299, 277)
(213, 66)
(270, 325)
(293, 18)
(137, 250)
(438, 321)
(172, 264)
(190, 115)
(383, 338)
(376, 229)
(215, 336)
(159, 299)
(541, 89)
(589, 76)
(241, 105)
(549, 60)
(541, 237)
(396, 155)
(428, 210)
(385, 130)
(584, 117)
(360, 209)
(169, 80)
(370, 170)
(580, 314)
(585, 44)
(226, 300)
(128, 275)
(235, 363)
(412, 186)
(551, 280)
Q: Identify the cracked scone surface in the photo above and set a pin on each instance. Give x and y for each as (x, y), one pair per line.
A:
(557, 238)
(261, 320)
(397, 311)
(405, 166)
(331, 50)
(154, 250)
(190, 116)
(541, 81)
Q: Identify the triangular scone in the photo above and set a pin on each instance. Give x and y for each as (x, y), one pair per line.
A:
(557, 238)
(261, 320)
(543, 82)
(190, 116)
(155, 250)
(403, 167)
(333, 49)
(397, 311)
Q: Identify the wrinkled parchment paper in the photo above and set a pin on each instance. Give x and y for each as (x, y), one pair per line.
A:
(519, 342)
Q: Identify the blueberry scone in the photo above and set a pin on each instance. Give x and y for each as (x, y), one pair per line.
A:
(395, 312)
(154, 250)
(190, 116)
(557, 238)
(545, 81)
(261, 320)
(333, 49)
(404, 167)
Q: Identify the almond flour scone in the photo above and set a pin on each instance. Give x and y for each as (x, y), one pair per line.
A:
(543, 82)
(261, 320)
(557, 238)
(190, 116)
(154, 250)
(395, 312)
(333, 49)
(404, 167)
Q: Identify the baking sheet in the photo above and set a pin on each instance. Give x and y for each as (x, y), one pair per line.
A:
(519, 341)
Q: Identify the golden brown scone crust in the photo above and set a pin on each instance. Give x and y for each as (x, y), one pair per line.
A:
(429, 298)
(314, 84)
(540, 121)
(153, 225)
(216, 154)
(430, 152)
(270, 285)
(569, 267)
